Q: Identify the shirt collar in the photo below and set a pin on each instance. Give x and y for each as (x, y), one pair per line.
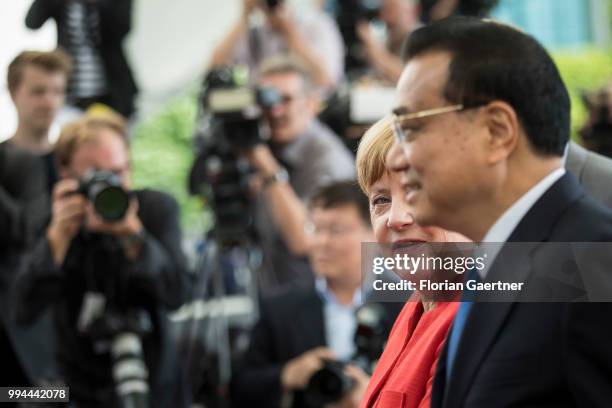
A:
(328, 296)
(507, 223)
(503, 227)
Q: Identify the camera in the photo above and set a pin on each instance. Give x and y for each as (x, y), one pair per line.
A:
(103, 189)
(229, 121)
(330, 383)
(121, 332)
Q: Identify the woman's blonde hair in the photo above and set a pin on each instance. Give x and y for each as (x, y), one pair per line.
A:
(372, 152)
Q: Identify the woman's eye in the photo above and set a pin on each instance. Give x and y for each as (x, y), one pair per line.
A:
(380, 200)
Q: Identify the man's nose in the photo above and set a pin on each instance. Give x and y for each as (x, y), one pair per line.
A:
(397, 158)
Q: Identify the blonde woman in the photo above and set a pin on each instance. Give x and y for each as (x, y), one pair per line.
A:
(404, 374)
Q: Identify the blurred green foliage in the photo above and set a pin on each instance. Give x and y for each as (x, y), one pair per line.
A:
(162, 155)
(162, 144)
(583, 70)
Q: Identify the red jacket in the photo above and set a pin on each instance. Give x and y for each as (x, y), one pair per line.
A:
(405, 372)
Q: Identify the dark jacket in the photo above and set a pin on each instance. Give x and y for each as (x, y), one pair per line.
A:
(538, 354)
(115, 24)
(291, 322)
(24, 211)
(154, 283)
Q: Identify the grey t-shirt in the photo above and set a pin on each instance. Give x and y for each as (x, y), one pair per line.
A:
(319, 30)
(313, 159)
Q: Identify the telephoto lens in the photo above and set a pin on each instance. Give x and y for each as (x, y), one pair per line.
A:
(130, 371)
(104, 190)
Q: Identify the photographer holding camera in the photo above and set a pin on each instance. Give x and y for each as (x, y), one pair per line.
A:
(302, 155)
(110, 265)
(313, 37)
(400, 18)
(302, 329)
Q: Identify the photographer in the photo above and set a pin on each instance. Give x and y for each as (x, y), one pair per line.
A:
(400, 18)
(313, 38)
(107, 271)
(299, 328)
(302, 155)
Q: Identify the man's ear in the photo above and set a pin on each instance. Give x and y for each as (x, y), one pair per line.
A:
(503, 128)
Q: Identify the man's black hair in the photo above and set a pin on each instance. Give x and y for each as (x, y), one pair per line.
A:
(342, 193)
(493, 61)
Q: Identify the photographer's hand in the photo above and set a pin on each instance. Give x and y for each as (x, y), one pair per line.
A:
(297, 372)
(68, 211)
(353, 399)
(377, 54)
(130, 226)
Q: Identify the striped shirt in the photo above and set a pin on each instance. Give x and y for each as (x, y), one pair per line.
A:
(83, 26)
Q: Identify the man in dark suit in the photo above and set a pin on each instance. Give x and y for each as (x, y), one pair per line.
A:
(105, 278)
(92, 32)
(301, 326)
(483, 119)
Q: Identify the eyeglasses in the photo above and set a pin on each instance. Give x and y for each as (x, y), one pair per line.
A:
(334, 230)
(403, 135)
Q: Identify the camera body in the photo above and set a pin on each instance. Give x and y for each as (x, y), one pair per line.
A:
(104, 190)
(330, 384)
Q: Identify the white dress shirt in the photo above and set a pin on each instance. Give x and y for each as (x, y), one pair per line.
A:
(506, 224)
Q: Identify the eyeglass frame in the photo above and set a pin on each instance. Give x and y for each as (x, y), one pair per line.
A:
(399, 118)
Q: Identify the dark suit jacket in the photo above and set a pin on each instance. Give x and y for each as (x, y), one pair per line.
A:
(115, 24)
(290, 323)
(156, 281)
(24, 205)
(24, 211)
(537, 354)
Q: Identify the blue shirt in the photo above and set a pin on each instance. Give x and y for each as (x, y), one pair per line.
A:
(340, 321)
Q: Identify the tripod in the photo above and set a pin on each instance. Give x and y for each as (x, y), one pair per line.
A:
(223, 263)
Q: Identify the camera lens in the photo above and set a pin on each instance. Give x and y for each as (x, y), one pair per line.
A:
(111, 202)
(328, 385)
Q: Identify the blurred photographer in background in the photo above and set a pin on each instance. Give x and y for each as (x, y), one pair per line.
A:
(302, 330)
(302, 155)
(597, 131)
(36, 82)
(400, 18)
(110, 265)
(313, 37)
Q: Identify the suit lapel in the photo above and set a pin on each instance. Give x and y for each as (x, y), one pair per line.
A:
(486, 320)
(309, 323)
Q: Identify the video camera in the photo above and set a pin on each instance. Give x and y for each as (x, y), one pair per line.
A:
(229, 122)
(330, 383)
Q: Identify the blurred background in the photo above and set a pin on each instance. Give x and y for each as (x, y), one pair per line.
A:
(577, 32)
